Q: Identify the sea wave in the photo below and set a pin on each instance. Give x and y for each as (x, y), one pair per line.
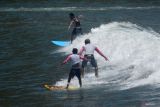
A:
(133, 53)
(39, 9)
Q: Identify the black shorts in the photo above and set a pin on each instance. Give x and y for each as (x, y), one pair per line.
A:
(77, 31)
(91, 59)
(75, 72)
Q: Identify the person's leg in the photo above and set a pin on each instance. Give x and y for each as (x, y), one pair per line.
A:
(73, 34)
(96, 72)
(78, 74)
(70, 77)
(94, 64)
(72, 38)
(79, 31)
(84, 63)
(82, 71)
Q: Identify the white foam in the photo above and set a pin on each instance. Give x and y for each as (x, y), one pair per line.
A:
(133, 52)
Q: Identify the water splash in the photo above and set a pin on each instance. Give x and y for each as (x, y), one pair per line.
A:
(133, 53)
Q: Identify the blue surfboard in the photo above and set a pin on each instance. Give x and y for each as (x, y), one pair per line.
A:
(61, 43)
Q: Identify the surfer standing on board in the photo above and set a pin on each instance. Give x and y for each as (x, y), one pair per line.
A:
(75, 24)
(76, 67)
(88, 50)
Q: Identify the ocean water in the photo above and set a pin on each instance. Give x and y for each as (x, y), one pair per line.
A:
(127, 32)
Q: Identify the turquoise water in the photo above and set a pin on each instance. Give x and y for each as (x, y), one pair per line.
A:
(127, 32)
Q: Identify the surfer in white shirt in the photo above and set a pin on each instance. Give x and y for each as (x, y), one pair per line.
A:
(88, 50)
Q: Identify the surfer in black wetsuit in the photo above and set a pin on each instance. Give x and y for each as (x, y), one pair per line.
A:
(75, 23)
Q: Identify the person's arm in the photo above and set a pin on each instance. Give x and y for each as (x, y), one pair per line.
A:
(83, 58)
(71, 23)
(80, 16)
(76, 19)
(67, 59)
(81, 51)
(98, 51)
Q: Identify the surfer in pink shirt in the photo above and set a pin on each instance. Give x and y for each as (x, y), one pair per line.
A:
(75, 66)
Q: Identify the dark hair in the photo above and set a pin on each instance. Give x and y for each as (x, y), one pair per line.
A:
(71, 15)
(75, 51)
(87, 41)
